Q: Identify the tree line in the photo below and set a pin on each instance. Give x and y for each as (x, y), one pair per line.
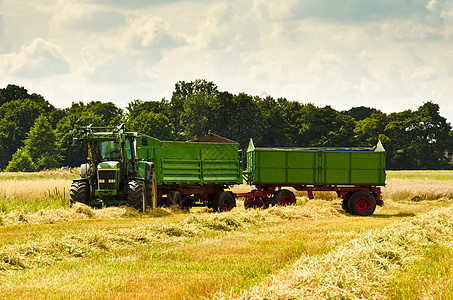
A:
(35, 135)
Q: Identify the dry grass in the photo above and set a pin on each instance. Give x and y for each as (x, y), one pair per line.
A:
(55, 173)
(417, 189)
(33, 189)
(227, 221)
(359, 268)
(195, 224)
(78, 212)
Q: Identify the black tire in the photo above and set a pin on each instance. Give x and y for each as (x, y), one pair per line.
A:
(283, 198)
(80, 192)
(136, 195)
(345, 205)
(174, 198)
(224, 201)
(362, 203)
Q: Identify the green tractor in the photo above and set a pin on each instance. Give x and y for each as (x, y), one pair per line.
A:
(113, 174)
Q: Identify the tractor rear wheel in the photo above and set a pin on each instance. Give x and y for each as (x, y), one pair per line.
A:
(136, 195)
(79, 192)
(283, 197)
(362, 203)
(224, 201)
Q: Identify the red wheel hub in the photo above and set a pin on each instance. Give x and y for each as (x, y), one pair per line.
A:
(362, 204)
(286, 200)
(226, 205)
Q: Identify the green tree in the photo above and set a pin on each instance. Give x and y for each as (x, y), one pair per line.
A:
(108, 112)
(151, 118)
(153, 124)
(16, 119)
(13, 92)
(360, 113)
(183, 90)
(325, 127)
(369, 130)
(75, 117)
(418, 139)
(21, 162)
(41, 150)
(197, 118)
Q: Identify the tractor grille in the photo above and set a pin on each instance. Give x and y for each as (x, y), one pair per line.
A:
(107, 179)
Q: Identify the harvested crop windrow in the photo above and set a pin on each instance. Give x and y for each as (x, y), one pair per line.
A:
(360, 268)
(80, 212)
(77, 212)
(86, 242)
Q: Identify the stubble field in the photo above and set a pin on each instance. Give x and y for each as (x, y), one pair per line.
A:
(312, 250)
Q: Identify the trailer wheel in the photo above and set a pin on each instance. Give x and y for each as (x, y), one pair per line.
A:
(136, 195)
(173, 198)
(283, 197)
(362, 203)
(79, 192)
(224, 201)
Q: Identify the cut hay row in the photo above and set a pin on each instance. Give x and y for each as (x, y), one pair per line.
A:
(79, 211)
(87, 242)
(360, 268)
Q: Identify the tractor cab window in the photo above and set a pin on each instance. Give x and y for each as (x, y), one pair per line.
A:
(130, 148)
(110, 150)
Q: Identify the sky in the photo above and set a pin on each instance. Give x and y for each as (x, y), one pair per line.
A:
(386, 54)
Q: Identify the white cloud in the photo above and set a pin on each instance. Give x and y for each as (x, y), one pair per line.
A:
(129, 55)
(275, 9)
(40, 58)
(149, 32)
(84, 17)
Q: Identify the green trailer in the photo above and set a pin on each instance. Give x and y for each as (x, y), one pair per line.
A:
(356, 174)
(194, 173)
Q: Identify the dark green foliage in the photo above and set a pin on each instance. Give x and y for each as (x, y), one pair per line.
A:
(184, 90)
(325, 127)
(40, 151)
(418, 139)
(17, 116)
(80, 115)
(150, 117)
(21, 161)
(360, 113)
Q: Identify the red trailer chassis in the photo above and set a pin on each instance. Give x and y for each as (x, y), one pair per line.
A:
(357, 199)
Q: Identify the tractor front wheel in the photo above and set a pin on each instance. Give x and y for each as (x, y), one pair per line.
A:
(80, 192)
(136, 196)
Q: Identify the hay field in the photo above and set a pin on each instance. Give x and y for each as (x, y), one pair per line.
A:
(312, 250)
